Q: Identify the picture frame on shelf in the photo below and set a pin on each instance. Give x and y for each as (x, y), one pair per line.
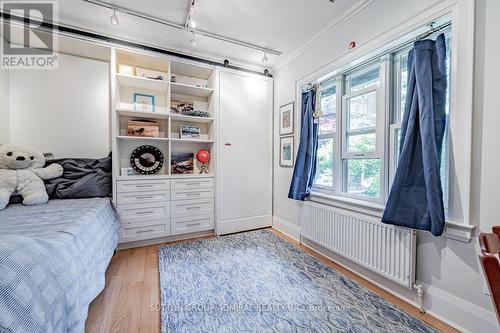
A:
(144, 102)
(287, 119)
(287, 151)
(182, 163)
(181, 106)
(190, 132)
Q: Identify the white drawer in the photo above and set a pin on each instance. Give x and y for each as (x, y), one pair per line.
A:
(133, 223)
(182, 184)
(197, 207)
(141, 212)
(145, 232)
(143, 185)
(192, 194)
(125, 198)
(191, 224)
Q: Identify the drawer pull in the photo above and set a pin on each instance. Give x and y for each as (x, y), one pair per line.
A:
(143, 186)
(144, 197)
(144, 213)
(193, 194)
(193, 184)
(193, 208)
(193, 224)
(144, 231)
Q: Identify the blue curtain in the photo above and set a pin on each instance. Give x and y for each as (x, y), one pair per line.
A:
(305, 163)
(416, 197)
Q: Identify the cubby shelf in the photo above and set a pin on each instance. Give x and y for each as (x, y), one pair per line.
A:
(186, 89)
(143, 114)
(191, 119)
(142, 83)
(140, 138)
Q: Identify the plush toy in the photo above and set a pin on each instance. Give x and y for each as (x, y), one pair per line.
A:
(22, 172)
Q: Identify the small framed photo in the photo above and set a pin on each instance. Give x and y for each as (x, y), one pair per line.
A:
(286, 119)
(286, 151)
(127, 172)
(182, 163)
(143, 102)
(190, 132)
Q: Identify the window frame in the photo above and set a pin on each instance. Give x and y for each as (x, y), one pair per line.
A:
(388, 122)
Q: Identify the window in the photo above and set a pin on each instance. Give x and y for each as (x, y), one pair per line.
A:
(327, 136)
(359, 128)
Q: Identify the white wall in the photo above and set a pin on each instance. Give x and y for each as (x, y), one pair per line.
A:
(449, 269)
(487, 109)
(4, 107)
(64, 111)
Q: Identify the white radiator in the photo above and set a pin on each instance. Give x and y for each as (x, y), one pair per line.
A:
(384, 249)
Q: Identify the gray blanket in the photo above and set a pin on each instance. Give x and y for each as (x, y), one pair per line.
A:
(52, 263)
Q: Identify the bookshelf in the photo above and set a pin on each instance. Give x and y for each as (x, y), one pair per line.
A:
(171, 93)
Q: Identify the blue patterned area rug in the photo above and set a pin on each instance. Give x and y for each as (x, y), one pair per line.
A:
(257, 282)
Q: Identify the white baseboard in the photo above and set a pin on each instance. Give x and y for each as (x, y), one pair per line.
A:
(244, 224)
(289, 229)
(466, 316)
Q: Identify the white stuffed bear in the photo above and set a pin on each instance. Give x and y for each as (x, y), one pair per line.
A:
(22, 172)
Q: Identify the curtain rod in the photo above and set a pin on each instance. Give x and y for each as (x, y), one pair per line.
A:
(72, 32)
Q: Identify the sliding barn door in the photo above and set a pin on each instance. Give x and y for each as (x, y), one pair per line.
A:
(244, 176)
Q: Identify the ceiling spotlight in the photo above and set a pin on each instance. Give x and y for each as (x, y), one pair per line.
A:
(113, 19)
(193, 39)
(265, 58)
(193, 24)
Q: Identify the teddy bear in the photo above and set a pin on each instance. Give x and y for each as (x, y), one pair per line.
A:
(22, 172)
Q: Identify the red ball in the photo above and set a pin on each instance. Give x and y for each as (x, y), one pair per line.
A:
(203, 156)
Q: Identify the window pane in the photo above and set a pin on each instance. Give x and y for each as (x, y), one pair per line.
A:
(403, 81)
(328, 119)
(363, 177)
(361, 143)
(361, 80)
(324, 171)
(362, 111)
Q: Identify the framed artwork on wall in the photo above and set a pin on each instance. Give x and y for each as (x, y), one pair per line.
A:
(286, 151)
(286, 119)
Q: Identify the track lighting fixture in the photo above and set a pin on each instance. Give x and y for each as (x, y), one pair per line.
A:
(265, 58)
(113, 19)
(193, 39)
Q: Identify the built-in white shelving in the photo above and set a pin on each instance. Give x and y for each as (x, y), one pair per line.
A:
(191, 141)
(190, 90)
(143, 114)
(191, 119)
(163, 204)
(140, 138)
(141, 83)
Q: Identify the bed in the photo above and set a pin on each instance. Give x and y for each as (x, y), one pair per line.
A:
(53, 259)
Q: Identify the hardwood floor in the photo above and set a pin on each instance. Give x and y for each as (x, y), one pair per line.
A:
(131, 300)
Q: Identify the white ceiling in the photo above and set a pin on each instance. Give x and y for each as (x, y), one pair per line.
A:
(282, 25)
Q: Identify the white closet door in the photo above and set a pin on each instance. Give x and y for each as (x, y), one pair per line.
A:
(244, 176)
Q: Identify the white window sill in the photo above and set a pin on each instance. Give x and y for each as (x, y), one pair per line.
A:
(456, 231)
